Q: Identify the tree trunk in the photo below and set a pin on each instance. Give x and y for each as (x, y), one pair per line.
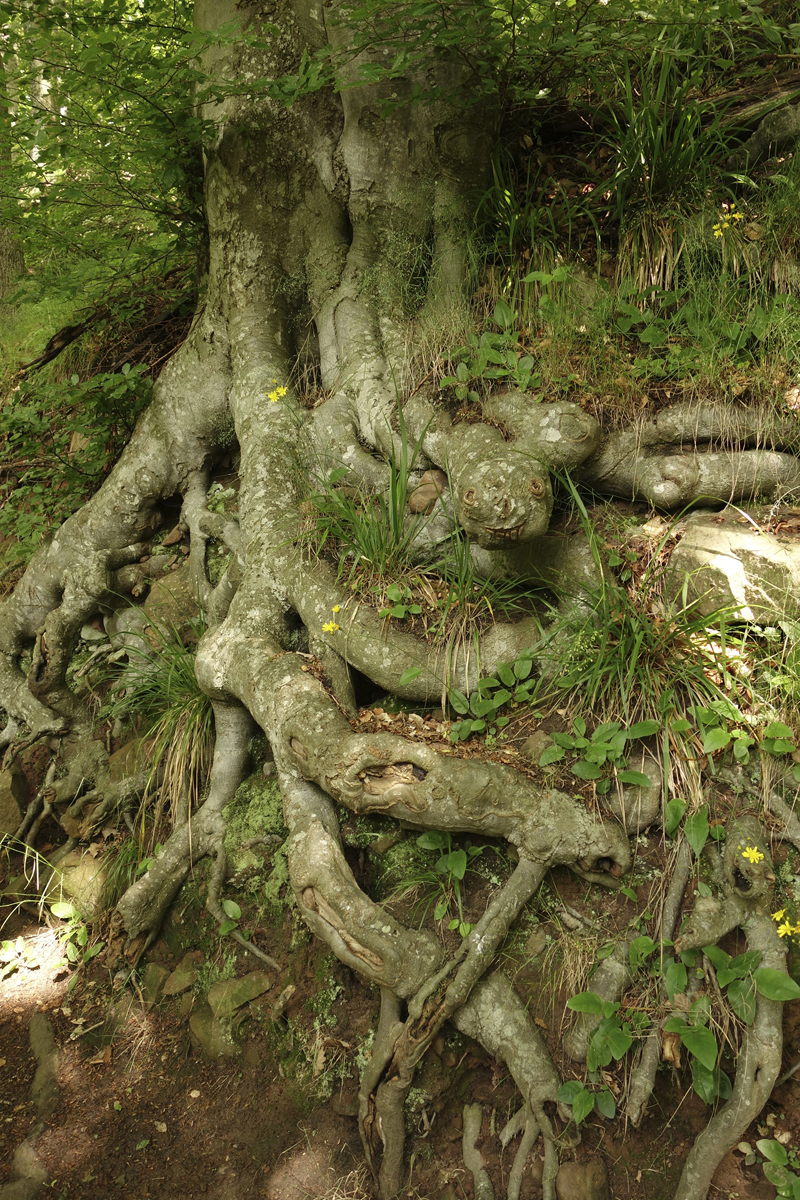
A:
(321, 216)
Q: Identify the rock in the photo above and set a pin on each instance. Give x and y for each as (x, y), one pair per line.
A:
(126, 760)
(212, 1036)
(172, 601)
(90, 634)
(173, 537)
(536, 942)
(44, 1089)
(636, 808)
(583, 1181)
(534, 746)
(184, 975)
(13, 798)
(229, 994)
(82, 878)
(423, 498)
(721, 562)
(153, 981)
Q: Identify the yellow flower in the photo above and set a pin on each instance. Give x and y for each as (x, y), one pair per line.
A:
(784, 929)
(281, 391)
(752, 854)
(779, 915)
(273, 396)
(330, 627)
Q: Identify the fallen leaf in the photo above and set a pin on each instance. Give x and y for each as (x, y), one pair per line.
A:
(161, 1126)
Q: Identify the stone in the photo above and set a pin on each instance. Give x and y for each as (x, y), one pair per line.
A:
(44, 1089)
(125, 761)
(172, 600)
(82, 878)
(229, 994)
(534, 746)
(153, 981)
(184, 975)
(13, 799)
(722, 560)
(212, 1036)
(582, 1181)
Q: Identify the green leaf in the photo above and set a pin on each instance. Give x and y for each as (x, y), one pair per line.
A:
(715, 739)
(550, 755)
(630, 893)
(696, 830)
(673, 815)
(701, 1043)
(144, 1142)
(582, 1105)
(231, 909)
(619, 1042)
(675, 978)
(776, 729)
(680, 726)
(643, 729)
(564, 739)
(776, 985)
(227, 927)
(505, 674)
(605, 1104)
(742, 999)
(718, 958)
(523, 667)
(456, 863)
(409, 675)
(458, 701)
(568, 1091)
(640, 949)
(440, 910)
(579, 725)
(586, 770)
(773, 1151)
(64, 910)
(605, 731)
(586, 1002)
(635, 778)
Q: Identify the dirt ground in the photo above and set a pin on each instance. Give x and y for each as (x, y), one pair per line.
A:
(143, 1113)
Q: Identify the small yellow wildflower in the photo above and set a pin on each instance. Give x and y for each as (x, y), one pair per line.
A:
(752, 854)
(330, 627)
(272, 396)
(336, 608)
(784, 929)
(281, 391)
(779, 915)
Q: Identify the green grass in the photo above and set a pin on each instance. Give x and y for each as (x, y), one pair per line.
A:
(176, 722)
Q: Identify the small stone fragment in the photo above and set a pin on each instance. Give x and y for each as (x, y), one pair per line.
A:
(582, 1181)
(183, 976)
(229, 994)
(212, 1036)
(153, 981)
(534, 747)
(173, 537)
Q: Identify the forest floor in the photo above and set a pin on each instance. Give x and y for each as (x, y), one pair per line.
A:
(143, 1112)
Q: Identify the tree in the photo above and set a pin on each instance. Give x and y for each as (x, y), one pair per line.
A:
(320, 215)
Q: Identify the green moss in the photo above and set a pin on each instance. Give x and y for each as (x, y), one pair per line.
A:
(257, 811)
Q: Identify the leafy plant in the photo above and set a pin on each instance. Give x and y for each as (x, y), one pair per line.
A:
(492, 356)
(511, 684)
(781, 1166)
(445, 878)
(371, 531)
(583, 1102)
(604, 748)
(161, 688)
(66, 436)
(400, 606)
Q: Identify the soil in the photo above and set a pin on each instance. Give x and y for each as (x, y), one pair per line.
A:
(143, 1113)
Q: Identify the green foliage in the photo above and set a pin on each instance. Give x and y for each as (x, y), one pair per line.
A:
(65, 437)
(583, 1102)
(603, 749)
(493, 356)
(442, 882)
(781, 1166)
(369, 531)
(510, 685)
(177, 717)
